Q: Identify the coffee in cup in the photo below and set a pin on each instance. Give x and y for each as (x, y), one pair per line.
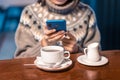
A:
(53, 54)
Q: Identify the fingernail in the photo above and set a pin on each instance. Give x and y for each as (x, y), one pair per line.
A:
(54, 29)
(62, 31)
(67, 37)
(63, 36)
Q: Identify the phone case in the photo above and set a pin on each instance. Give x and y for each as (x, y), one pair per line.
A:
(56, 24)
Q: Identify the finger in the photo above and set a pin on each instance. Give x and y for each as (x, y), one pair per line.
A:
(68, 49)
(64, 40)
(47, 31)
(54, 35)
(57, 33)
(68, 44)
(68, 41)
(71, 36)
(57, 38)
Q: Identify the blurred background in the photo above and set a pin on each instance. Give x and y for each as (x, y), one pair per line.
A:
(107, 13)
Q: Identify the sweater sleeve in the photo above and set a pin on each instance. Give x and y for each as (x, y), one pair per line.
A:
(93, 34)
(26, 44)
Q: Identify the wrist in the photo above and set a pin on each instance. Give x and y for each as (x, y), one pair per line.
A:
(43, 42)
(76, 49)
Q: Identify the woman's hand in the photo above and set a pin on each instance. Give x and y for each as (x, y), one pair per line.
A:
(70, 43)
(51, 36)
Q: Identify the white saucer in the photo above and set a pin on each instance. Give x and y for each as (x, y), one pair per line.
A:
(48, 67)
(82, 60)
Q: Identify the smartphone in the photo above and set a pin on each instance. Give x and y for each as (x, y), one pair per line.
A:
(56, 24)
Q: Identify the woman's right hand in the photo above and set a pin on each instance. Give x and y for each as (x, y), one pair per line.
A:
(51, 36)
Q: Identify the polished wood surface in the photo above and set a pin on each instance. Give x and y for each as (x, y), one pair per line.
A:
(16, 70)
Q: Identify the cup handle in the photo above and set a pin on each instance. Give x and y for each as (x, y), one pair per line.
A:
(68, 54)
(65, 52)
(85, 51)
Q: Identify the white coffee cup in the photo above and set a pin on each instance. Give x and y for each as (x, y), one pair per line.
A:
(53, 54)
(92, 52)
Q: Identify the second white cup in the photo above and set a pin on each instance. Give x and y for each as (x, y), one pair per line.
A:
(92, 52)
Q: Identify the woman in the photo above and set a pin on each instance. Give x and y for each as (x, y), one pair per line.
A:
(32, 32)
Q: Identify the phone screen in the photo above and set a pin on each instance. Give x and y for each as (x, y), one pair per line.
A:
(56, 24)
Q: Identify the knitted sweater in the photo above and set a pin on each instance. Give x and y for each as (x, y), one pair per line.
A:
(80, 21)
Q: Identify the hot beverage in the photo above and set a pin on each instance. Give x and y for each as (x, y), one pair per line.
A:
(53, 54)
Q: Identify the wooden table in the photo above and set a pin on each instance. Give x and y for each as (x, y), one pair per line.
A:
(15, 70)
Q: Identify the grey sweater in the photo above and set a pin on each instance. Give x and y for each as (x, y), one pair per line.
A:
(81, 22)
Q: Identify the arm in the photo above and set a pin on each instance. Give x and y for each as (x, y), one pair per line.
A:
(26, 44)
(93, 34)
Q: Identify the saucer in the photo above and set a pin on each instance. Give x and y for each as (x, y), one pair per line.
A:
(82, 60)
(52, 67)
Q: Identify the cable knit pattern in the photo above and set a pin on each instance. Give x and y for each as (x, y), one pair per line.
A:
(81, 22)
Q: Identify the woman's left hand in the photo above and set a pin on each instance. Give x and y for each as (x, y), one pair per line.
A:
(70, 43)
